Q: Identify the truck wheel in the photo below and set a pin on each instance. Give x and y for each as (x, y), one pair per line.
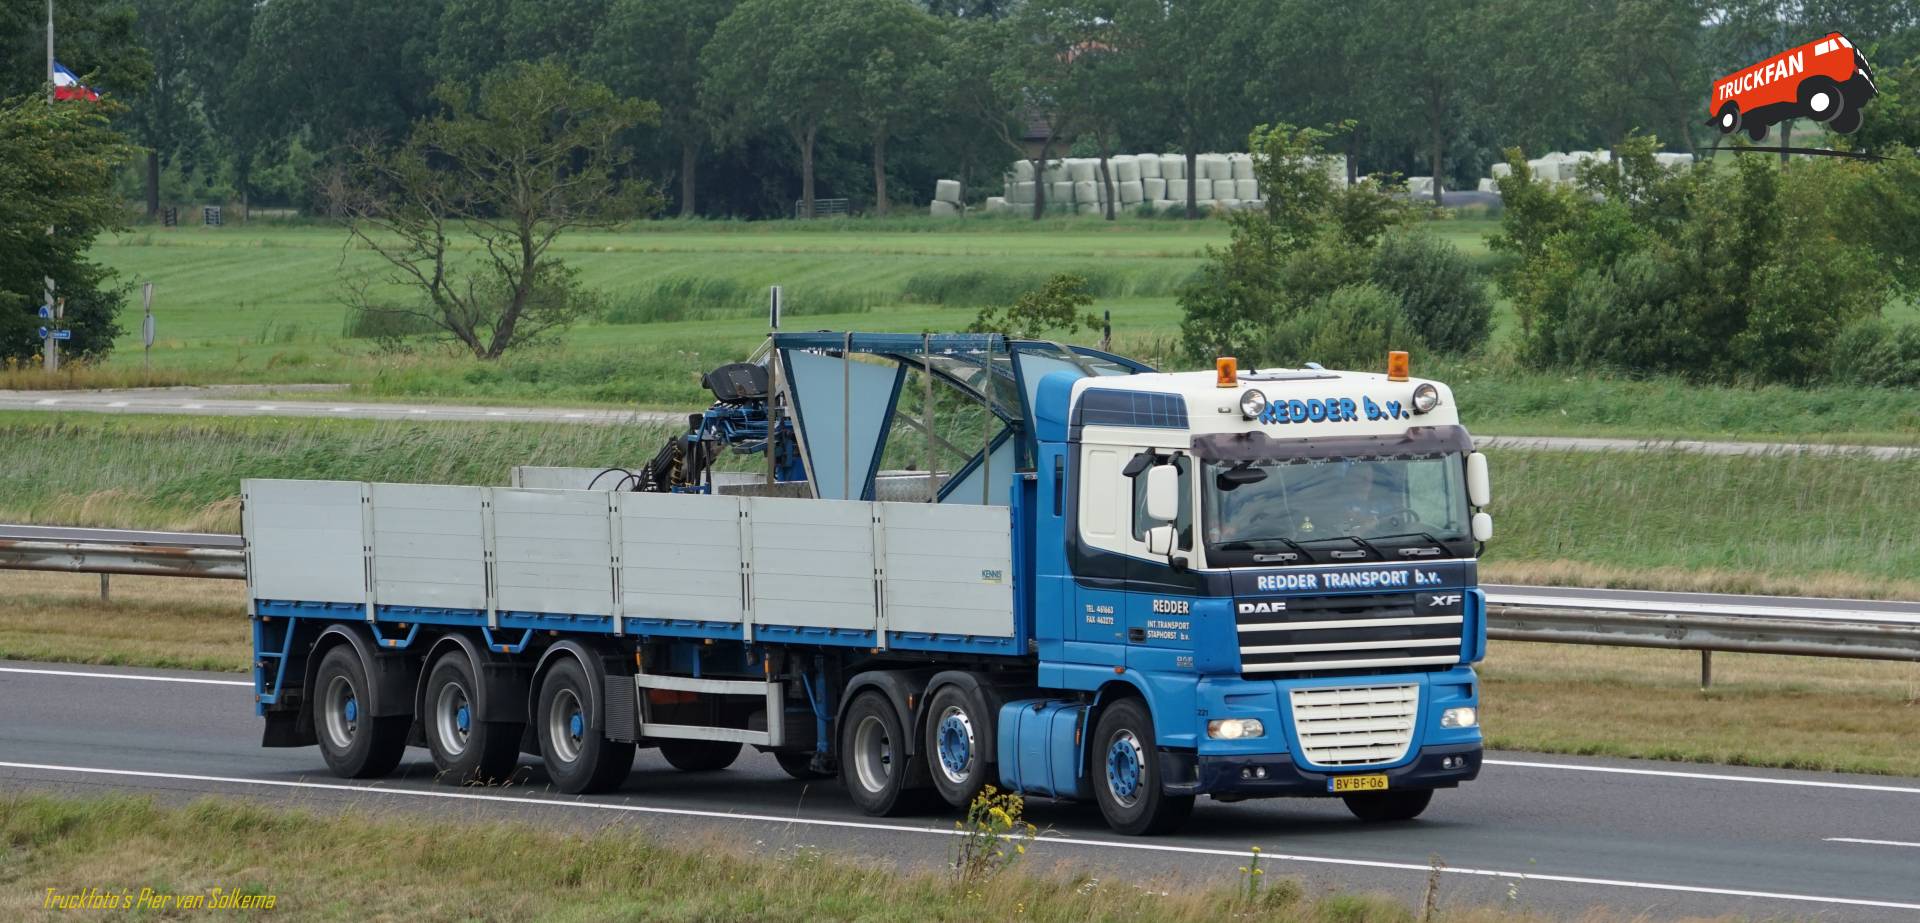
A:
(873, 759)
(1757, 132)
(1821, 98)
(465, 749)
(700, 755)
(354, 745)
(1847, 122)
(799, 764)
(578, 760)
(1728, 121)
(1378, 807)
(957, 734)
(1126, 773)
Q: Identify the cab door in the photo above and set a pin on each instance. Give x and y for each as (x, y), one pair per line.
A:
(1160, 599)
(1098, 556)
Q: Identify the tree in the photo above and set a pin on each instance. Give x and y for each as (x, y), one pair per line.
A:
(651, 49)
(56, 171)
(780, 63)
(164, 119)
(534, 153)
(342, 68)
(1189, 66)
(1058, 307)
(894, 74)
(94, 38)
(1428, 71)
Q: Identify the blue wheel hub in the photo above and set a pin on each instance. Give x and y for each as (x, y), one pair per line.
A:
(1123, 768)
(576, 727)
(352, 711)
(956, 745)
(463, 719)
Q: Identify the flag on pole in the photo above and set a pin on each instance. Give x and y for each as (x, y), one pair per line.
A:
(67, 86)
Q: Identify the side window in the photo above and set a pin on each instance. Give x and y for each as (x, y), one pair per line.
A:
(1183, 524)
(1099, 487)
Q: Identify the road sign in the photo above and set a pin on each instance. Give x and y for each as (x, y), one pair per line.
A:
(773, 309)
(46, 334)
(146, 331)
(46, 311)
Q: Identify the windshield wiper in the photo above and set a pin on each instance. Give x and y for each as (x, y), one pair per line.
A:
(1428, 536)
(1247, 545)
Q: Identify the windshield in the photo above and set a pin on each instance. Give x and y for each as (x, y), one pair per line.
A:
(1335, 510)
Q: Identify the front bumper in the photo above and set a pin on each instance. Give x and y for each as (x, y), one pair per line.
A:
(1237, 775)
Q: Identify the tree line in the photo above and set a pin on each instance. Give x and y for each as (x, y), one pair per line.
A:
(767, 102)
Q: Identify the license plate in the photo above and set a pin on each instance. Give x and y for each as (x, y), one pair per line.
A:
(1368, 783)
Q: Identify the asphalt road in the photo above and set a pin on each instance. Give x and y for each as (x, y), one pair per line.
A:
(1558, 834)
(309, 401)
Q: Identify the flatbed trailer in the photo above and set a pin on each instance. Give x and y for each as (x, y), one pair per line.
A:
(1099, 583)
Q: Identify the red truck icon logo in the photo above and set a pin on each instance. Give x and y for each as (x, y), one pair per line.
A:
(1827, 81)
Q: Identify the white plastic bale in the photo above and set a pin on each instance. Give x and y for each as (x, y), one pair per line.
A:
(947, 190)
(1060, 193)
(1173, 166)
(1023, 171)
(1246, 189)
(1226, 189)
(1082, 169)
(1149, 166)
(1089, 208)
(1486, 184)
(1124, 167)
(944, 209)
(1420, 185)
(1153, 188)
(1501, 170)
(1020, 194)
(1214, 167)
(1227, 205)
(1086, 191)
(1165, 206)
(1132, 192)
(1241, 164)
(997, 204)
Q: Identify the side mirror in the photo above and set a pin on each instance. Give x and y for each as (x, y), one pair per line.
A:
(1160, 540)
(1163, 493)
(1479, 487)
(1483, 527)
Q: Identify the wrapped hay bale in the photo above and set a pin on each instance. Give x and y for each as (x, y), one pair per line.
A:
(1225, 189)
(1131, 192)
(1173, 166)
(1060, 193)
(1023, 171)
(1153, 188)
(1241, 165)
(1246, 189)
(1214, 167)
(1149, 166)
(1420, 185)
(1087, 192)
(945, 209)
(1125, 168)
(997, 205)
(1502, 170)
(1227, 205)
(1020, 193)
(1089, 208)
(1486, 184)
(1056, 171)
(946, 190)
(1082, 169)
(1168, 206)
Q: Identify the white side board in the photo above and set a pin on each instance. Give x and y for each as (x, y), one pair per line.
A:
(932, 569)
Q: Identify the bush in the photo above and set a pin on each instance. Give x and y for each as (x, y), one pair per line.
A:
(1874, 352)
(1443, 297)
(1353, 327)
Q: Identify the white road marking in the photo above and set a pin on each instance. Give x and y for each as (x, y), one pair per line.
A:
(193, 406)
(1421, 868)
(267, 407)
(142, 676)
(116, 403)
(47, 401)
(1707, 776)
(496, 413)
(1849, 839)
(416, 410)
(341, 409)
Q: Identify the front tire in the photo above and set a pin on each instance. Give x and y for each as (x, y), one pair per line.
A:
(700, 755)
(578, 760)
(873, 759)
(1382, 807)
(957, 733)
(466, 750)
(355, 745)
(1821, 99)
(1126, 773)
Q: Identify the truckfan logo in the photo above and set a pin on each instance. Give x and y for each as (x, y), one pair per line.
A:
(1827, 81)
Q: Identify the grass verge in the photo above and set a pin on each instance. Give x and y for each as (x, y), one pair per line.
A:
(1795, 712)
(360, 867)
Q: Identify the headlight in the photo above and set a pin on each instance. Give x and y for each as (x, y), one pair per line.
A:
(1425, 398)
(1235, 728)
(1459, 718)
(1253, 403)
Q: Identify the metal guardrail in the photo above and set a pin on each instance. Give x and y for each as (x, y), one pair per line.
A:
(1706, 622)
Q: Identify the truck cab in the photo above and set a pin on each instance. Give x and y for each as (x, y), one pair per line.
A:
(1279, 565)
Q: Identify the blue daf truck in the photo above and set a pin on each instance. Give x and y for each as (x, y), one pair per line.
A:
(924, 564)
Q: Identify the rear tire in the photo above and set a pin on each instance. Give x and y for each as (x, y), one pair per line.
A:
(1126, 773)
(873, 759)
(578, 759)
(466, 750)
(958, 730)
(1757, 133)
(700, 755)
(1382, 807)
(799, 765)
(1846, 123)
(1728, 121)
(354, 745)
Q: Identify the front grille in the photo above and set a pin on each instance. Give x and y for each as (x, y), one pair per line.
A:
(1357, 725)
(1370, 632)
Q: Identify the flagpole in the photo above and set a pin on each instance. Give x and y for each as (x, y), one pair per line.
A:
(51, 347)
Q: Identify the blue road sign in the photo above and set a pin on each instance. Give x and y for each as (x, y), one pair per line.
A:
(46, 310)
(56, 334)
